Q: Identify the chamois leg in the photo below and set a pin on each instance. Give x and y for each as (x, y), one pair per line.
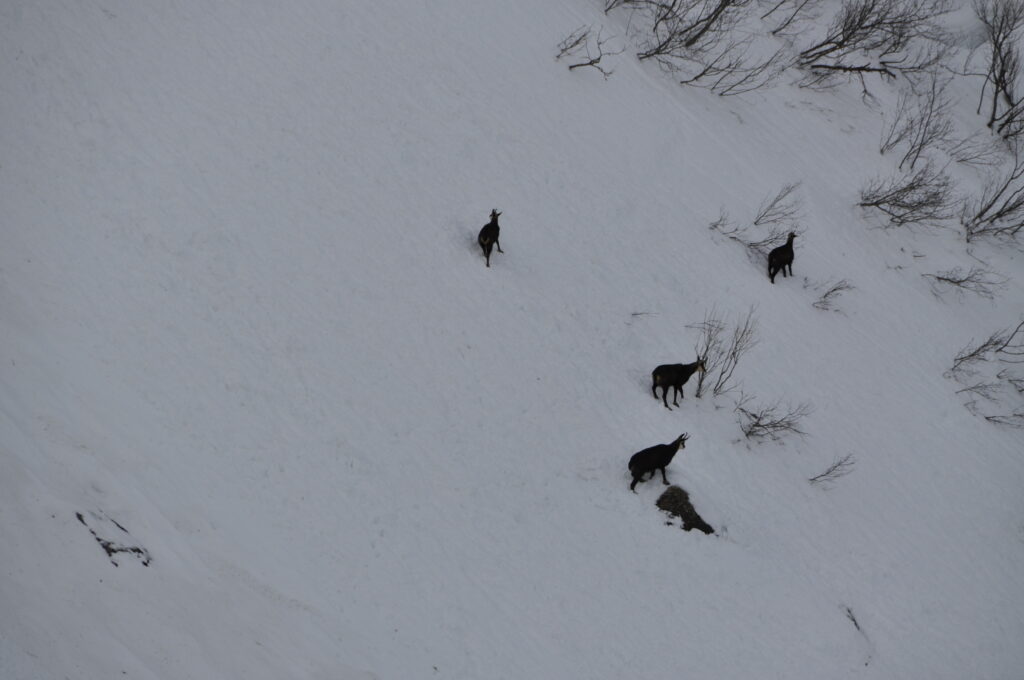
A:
(499, 246)
(664, 397)
(663, 477)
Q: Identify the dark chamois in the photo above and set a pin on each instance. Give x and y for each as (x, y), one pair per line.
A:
(780, 258)
(674, 376)
(489, 236)
(653, 459)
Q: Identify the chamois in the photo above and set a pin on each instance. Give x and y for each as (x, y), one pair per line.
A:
(780, 258)
(489, 237)
(674, 376)
(653, 459)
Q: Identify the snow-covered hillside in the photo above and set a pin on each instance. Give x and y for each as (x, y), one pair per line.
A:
(250, 345)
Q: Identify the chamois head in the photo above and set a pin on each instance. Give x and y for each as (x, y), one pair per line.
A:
(681, 441)
(494, 215)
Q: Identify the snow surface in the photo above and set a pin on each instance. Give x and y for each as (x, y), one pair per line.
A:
(247, 327)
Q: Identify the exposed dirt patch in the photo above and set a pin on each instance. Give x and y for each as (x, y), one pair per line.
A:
(676, 502)
(121, 543)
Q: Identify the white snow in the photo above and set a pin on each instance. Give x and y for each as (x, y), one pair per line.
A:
(245, 317)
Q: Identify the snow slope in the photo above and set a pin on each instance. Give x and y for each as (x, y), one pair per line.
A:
(247, 328)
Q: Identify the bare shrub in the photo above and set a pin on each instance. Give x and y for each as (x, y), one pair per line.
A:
(976, 150)
(988, 391)
(977, 280)
(783, 208)
(899, 127)
(1013, 380)
(790, 12)
(999, 211)
(1014, 419)
(924, 196)
(574, 42)
(730, 70)
(886, 37)
(777, 213)
(679, 28)
(756, 245)
(840, 467)
(990, 367)
(920, 122)
(742, 340)
(709, 346)
(722, 350)
(984, 350)
(700, 41)
(609, 5)
(772, 421)
(828, 300)
(577, 45)
(1002, 19)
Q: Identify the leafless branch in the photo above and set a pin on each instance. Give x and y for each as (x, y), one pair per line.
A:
(772, 421)
(827, 301)
(742, 340)
(899, 127)
(800, 9)
(784, 207)
(986, 390)
(878, 36)
(1013, 345)
(930, 125)
(999, 211)
(976, 150)
(970, 355)
(924, 196)
(978, 280)
(573, 42)
(609, 5)
(840, 467)
(709, 346)
(1015, 419)
(1005, 349)
(1009, 345)
(580, 41)
(1011, 379)
(721, 352)
(1001, 19)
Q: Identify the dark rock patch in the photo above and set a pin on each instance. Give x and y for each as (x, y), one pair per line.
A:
(113, 538)
(676, 502)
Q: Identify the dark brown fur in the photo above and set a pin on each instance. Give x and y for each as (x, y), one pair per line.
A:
(653, 459)
(780, 258)
(489, 237)
(674, 376)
